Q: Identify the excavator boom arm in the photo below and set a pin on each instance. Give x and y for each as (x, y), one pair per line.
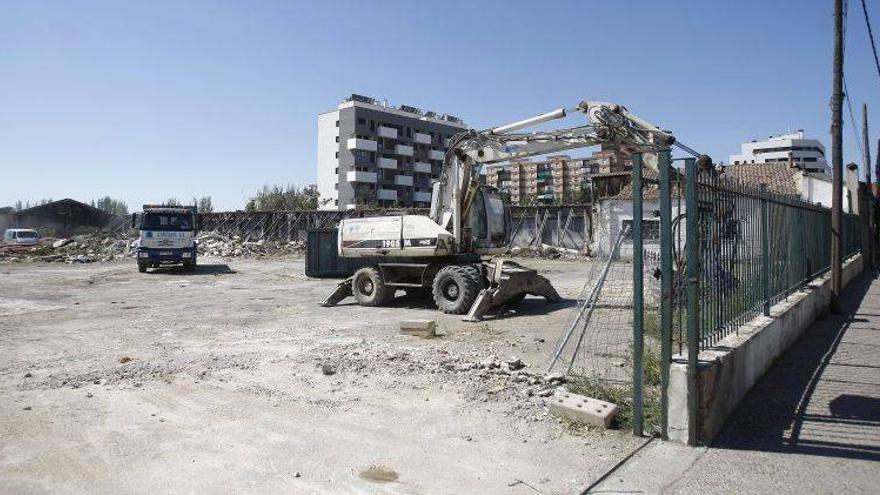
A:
(609, 124)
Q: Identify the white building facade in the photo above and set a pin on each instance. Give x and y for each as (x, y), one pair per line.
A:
(808, 154)
(374, 155)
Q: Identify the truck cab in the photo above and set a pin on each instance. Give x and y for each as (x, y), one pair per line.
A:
(167, 236)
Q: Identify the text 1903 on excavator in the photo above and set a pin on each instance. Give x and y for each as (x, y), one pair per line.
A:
(449, 252)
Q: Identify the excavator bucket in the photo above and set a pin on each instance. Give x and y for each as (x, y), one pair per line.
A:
(510, 281)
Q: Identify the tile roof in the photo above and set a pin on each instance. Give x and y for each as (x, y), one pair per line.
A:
(779, 177)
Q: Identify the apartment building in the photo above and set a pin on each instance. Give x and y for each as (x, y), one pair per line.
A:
(808, 154)
(371, 154)
(557, 179)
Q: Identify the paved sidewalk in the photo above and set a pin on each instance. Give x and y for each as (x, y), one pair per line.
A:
(810, 425)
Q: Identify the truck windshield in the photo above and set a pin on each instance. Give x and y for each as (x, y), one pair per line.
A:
(167, 221)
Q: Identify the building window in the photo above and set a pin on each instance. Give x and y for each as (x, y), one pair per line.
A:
(337, 139)
(650, 229)
(337, 154)
(362, 121)
(337, 123)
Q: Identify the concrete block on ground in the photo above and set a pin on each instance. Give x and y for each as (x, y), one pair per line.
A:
(419, 328)
(583, 409)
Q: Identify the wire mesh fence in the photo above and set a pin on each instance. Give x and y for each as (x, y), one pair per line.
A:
(597, 347)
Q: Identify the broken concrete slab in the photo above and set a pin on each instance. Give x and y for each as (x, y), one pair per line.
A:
(419, 328)
(583, 409)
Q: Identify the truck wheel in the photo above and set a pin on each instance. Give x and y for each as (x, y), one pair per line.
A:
(477, 274)
(369, 288)
(142, 267)
(455, 288)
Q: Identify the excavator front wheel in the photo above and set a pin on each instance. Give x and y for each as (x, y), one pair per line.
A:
(456, 287)
(369, 288)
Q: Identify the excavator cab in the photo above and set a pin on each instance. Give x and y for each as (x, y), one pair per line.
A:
(488, 222)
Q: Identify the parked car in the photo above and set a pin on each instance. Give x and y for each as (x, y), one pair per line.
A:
(21, 237)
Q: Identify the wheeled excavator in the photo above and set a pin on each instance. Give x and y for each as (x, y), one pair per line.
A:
(449, 251)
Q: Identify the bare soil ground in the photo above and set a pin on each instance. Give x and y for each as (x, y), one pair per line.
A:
(214, 381)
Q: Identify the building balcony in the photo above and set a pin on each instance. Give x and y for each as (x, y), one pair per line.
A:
(422, 197)
(422, 138)
(387, 132)
(403, 150)
(387, 194)
(358, 176)
(436, 155)
(388, 163)
(422, 167)
(362, 144)
(403, 180)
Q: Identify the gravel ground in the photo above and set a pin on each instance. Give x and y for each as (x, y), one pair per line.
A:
(232, 379)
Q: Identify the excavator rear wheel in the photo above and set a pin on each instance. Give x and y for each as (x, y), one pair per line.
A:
(369, 289)
(456, 287)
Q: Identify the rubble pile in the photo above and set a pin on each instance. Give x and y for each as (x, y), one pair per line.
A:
(213, 244)
(77, 249)
(546, 251)
(483, 377)
(91, 248)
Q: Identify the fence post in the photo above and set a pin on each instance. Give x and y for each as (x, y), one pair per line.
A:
(638, 300)
(765, 248)
(665, 290)
(692, 239)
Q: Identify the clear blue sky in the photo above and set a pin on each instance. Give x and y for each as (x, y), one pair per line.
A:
(148, 100)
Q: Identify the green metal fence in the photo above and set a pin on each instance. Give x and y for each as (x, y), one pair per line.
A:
(752, 249)
(728, 251)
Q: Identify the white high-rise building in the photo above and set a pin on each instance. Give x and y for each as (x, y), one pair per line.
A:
(371, 154)
(806, 153)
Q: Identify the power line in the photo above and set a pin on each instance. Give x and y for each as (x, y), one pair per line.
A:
(871, 36)
(852, 119)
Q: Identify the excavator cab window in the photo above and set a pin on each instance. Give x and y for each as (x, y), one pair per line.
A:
(488, 219)
(477, 218)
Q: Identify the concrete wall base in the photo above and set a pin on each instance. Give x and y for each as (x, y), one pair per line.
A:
(727, 371)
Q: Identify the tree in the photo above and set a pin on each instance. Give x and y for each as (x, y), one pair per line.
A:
(172, 202)
(27, 204)
(283, 198)
(204, 204)
(111, 206)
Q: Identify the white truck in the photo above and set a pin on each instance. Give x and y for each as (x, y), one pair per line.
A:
(167, 236)
(21, 237)
(443, 252)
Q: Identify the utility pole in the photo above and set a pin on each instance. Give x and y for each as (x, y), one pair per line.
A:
(867, 214)
(866, 146)
(837, 157)
(876, 172)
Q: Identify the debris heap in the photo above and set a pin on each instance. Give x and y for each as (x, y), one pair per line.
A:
(77, 249)
(213, 244)
(91, 248)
